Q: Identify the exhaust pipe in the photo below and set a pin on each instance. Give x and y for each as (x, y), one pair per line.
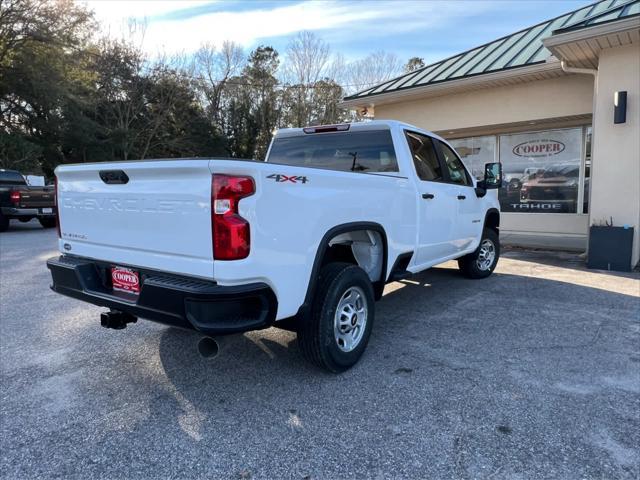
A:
(210, 347)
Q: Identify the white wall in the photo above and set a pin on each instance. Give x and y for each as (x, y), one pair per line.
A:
(615, 176)
(542, 99)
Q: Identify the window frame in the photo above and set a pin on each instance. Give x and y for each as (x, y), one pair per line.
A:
(445, 167)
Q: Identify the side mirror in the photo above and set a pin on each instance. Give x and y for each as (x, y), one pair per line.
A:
(492, 179)
(492, 176)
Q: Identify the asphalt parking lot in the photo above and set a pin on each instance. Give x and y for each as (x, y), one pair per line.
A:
(532, 373)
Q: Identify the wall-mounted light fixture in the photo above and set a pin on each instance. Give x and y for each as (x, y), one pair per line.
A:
(620, 107)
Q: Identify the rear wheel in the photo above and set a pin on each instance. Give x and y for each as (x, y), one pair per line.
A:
(482, 262)
(47, 222)
(4, 223)
(336, 333)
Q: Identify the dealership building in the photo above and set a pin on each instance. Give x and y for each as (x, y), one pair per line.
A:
(558, 104)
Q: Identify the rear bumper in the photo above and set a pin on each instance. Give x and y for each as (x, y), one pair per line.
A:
(26, 212)
(169, 299)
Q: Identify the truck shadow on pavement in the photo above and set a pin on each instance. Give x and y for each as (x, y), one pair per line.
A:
(455, 371)
(506, 377)
(420, 313)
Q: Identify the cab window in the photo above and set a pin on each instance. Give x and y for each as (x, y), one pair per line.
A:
(424, 157)
(365, 151)
(455, 167)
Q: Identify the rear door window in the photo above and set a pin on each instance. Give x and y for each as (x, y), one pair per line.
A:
(424, 157)
(365, 151)
(11, 177)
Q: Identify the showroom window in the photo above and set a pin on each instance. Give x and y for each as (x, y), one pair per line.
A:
(475, 152)
(543, 171)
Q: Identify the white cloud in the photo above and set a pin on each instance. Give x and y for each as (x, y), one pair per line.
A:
(375, 18)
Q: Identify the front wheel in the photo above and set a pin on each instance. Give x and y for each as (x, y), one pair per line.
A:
(336, 333)
(482, 262)
(47, 222)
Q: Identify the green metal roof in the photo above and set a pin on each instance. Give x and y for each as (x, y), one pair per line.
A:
(615, 12)
(519, 49)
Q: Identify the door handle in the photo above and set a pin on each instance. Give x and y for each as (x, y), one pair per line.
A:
(428, 196)
(461, 197)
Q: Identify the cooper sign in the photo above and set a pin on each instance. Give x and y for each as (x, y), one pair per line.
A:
(124, 279)
(538, 148)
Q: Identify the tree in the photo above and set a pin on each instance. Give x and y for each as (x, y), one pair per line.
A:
(69, 96)
(375, 68)
(121, 98)
(307, 61)
(177, 125)
(41, 74)
(17, 152)
(414, 63)
(251, 105)
(213, 69)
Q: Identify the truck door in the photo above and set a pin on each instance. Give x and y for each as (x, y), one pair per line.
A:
(437, 208)
(468, 226)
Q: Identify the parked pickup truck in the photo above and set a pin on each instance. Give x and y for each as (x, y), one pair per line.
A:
(19, 201)
(305, 240)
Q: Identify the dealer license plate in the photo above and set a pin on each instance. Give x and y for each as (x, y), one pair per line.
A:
(125, 280)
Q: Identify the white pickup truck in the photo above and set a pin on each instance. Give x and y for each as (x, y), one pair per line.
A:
(305, 240)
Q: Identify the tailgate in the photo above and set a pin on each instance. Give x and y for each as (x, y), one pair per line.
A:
(37, 197)
(151, 214)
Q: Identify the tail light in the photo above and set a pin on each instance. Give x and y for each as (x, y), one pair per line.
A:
(15, 197)
(230, 232)
(55, 207)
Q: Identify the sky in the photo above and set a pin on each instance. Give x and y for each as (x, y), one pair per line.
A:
(430, 29)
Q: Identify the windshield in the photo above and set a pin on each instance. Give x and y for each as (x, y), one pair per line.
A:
(561, 170)
(369, 151)
(11, 177)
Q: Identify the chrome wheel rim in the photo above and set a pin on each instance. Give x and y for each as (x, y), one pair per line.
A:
(350, 320)
(486, 255)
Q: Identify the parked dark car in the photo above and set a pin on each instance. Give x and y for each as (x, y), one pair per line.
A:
(19, 201)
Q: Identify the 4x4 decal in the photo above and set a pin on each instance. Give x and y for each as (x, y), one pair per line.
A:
(288, 178)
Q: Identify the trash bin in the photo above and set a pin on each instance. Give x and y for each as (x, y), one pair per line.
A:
(610, 248)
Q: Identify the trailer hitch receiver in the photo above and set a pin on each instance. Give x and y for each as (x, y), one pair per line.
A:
(116, 319)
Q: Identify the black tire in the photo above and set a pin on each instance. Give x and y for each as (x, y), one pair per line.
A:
(316, 336)
(47, 222)
(469, 264)
(4, 223)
